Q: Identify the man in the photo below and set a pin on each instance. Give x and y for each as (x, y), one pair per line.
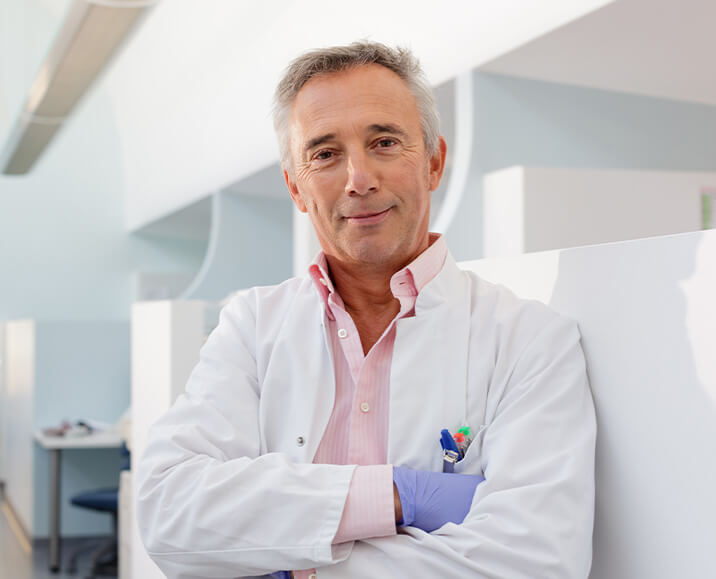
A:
(307, 439)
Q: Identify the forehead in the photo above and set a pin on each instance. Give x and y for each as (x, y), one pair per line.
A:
(365, 95)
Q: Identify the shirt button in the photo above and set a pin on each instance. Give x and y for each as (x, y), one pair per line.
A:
(364, 406)
(342, 333)
(312, 576)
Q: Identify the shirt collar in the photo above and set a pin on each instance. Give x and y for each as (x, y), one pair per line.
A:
(428, 264)
(321, 280)
(409, 280)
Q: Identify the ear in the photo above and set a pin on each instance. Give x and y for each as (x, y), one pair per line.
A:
(437, 164)
(293, 191)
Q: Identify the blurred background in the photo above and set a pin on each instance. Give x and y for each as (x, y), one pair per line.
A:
(139, 187)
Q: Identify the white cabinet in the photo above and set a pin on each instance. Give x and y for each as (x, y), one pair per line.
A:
(530, 209)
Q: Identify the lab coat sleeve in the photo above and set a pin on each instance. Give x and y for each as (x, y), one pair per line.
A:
(208, 504)
(533, 515)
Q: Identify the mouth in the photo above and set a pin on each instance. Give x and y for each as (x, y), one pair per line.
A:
(368, 218)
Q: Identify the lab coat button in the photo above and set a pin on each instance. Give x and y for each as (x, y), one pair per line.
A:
(300, 441)
(342, 333)
(364, 406)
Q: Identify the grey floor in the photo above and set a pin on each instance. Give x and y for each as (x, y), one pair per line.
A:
(15, 563)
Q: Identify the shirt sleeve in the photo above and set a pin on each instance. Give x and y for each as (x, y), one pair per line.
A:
(369, 510)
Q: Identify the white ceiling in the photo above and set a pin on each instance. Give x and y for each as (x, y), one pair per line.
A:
(660, 48)
(189, 96)
(191, 93)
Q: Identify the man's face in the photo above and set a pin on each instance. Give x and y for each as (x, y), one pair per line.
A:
(360, 167)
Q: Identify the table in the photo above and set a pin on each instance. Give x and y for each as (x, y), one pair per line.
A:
(55, 445)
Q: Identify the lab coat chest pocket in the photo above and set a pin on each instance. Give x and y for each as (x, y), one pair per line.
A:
(472, 461)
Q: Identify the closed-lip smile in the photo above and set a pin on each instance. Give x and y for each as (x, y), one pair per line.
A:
(368, 218)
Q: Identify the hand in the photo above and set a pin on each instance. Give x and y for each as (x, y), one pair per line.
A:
(428, 500)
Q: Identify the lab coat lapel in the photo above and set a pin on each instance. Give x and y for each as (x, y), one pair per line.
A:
(429, 371)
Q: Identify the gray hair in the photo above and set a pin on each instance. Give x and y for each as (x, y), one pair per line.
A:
(325, 61)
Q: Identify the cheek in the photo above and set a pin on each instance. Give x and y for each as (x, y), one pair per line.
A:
(315, 199)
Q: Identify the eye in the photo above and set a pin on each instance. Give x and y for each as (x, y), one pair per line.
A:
(323, 155)
(386, 142)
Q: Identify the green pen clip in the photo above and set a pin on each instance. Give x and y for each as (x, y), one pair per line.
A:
(463, 439)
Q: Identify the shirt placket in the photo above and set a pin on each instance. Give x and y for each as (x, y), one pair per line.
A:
(362, 420)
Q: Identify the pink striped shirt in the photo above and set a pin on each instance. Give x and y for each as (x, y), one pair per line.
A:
(357, 432)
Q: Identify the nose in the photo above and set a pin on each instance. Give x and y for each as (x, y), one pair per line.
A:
(361, 178)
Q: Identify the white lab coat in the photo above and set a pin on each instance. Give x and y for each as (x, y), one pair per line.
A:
(227, 487)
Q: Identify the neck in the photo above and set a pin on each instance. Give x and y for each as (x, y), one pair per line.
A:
(366, 295)
(363, 288)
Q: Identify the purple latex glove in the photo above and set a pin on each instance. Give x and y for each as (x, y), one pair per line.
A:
(431, 499)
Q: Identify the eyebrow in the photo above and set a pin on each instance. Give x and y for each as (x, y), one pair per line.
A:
(315, 142)
(389, 128)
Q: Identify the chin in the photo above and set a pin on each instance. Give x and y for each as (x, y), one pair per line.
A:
(377, 253)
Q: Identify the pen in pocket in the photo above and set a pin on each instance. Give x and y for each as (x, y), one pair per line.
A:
(454, 446)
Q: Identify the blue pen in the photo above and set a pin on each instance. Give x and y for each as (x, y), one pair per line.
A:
(451, 453)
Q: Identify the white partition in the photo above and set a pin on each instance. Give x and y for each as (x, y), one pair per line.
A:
(529, 209)
(3, 407)
(17, 444)
(166, 338)
(647, 312)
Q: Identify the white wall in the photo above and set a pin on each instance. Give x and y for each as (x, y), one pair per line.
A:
(533, 209)
(64, 250)
(58, 371)
(250, 245)
(82, 371)
(17, 448)
(647, 314)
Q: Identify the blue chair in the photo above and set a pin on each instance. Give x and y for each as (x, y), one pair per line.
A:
(104, 557)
